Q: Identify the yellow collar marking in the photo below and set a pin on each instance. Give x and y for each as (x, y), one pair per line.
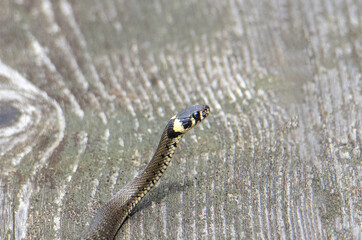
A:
(177, 126)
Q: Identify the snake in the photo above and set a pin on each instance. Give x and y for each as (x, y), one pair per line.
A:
(110, 216)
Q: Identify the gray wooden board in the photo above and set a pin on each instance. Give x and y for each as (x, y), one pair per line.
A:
(86, 88)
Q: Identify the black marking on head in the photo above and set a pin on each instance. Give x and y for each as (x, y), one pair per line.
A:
(173, 134)
(186, 122)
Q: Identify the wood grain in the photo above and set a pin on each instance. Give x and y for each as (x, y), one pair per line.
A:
(86, 88)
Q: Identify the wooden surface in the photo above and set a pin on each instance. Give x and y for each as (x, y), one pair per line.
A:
(86, 87)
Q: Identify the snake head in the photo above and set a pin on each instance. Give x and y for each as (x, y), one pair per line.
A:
(186, 119)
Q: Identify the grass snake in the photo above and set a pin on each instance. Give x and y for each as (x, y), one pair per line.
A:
(112, 214)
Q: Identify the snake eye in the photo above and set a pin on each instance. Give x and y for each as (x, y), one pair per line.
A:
(197, 116)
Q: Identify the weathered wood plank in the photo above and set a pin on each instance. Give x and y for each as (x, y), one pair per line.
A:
(87, 86)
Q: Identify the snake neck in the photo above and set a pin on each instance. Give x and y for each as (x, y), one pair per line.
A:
(149, 177)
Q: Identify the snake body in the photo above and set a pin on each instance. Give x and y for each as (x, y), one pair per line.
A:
(111, 215)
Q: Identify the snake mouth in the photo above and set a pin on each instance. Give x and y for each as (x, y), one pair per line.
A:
(205, 112)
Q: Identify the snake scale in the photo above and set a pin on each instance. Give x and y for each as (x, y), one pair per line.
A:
(112, 214)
